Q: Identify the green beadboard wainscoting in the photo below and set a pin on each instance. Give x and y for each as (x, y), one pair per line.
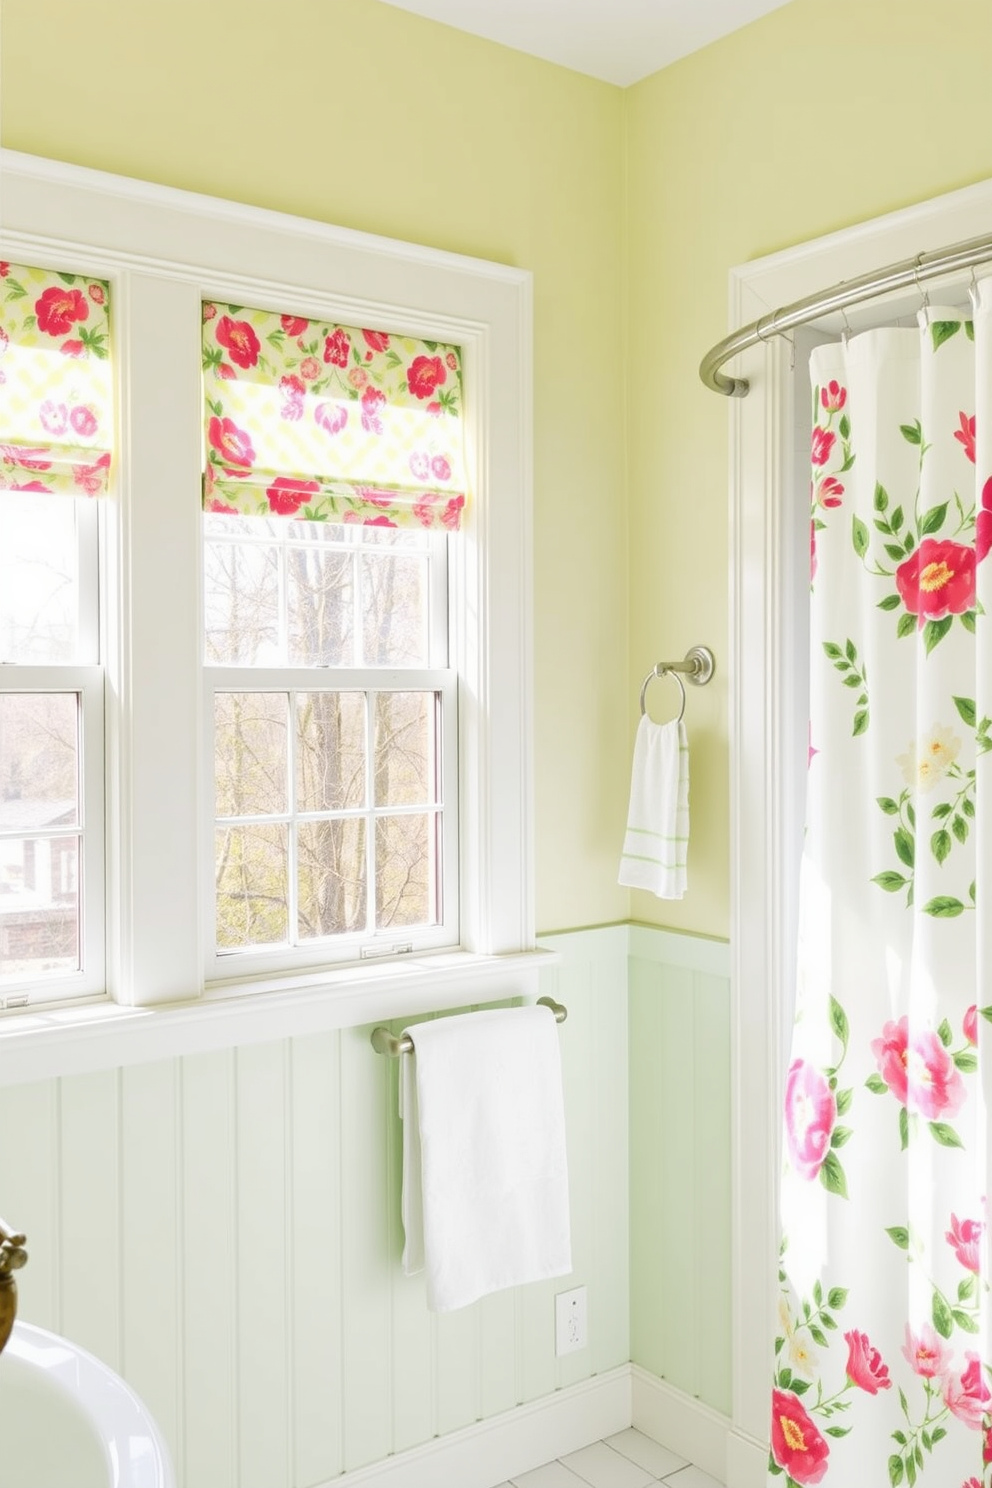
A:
(680, 1195)
(224, 1228)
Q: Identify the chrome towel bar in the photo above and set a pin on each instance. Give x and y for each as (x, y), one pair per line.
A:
(384, 1042)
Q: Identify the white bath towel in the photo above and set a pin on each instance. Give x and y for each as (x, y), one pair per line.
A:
(657, 838)
(485, 1181)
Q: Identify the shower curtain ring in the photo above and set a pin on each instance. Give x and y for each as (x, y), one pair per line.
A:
(924, 296)
(973, 291)
(846, 333)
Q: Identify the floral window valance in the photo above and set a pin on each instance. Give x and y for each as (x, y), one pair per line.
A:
(56, 390)
(327, 422)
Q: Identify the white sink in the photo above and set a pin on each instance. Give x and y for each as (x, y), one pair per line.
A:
(67, 1421)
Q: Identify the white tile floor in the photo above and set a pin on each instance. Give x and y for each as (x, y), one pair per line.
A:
(627, 1460)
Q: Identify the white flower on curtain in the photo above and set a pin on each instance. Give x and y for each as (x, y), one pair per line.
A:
(882, 1362)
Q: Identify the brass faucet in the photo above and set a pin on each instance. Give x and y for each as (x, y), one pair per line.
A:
(12, 1257)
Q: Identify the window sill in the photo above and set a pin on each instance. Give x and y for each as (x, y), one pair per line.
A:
(41, 1045)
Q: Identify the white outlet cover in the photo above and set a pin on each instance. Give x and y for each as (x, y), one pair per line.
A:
(571, 1324)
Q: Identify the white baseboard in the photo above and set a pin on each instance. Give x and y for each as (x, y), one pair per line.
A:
(747, 1461)
(514, 1442)
(682, 1423)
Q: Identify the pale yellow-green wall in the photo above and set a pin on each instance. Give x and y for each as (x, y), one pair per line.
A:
(815, 117)
(357, 113)
(349, 110)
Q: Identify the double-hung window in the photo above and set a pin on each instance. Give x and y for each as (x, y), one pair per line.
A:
(55, 446)
(334, 475)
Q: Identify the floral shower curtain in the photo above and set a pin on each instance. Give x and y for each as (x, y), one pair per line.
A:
(882, 1360)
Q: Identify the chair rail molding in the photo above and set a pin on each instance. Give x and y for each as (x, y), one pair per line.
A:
(769, 584)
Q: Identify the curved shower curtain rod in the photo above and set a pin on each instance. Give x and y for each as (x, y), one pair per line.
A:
(902, 275)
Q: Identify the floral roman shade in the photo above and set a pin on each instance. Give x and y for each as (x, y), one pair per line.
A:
(56, 390)
(328, 422)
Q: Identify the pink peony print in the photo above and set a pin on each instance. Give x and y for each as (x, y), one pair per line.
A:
(424, 375)
(918, 1070)
(232, 444)
(810, 1113)
(293, 390)
(221, 506)
(937, 580)
(372, 402)
(97, 294)
(833, 396)
(925, 1353)
(423, 508)
(27, 459)
(822, 444)
(969, 1024)
(83, 420)
(54, 417)
(209, 311)
(58, 308)
(452, 361)
(966, 435)
(440, 469)
(967, 1396)
(864, 1364)
(92, 478)
(965, 1239)
(239, 340)
(293, 325)
(331, 417)
(420, 465)
(797, 1446)
(72, 348)
(309, 368)
(829, 492)
(287, 495)
(378, 522)
(337, 348)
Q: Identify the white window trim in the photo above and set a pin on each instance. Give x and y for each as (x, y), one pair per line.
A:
(769, 594)
(163, 251)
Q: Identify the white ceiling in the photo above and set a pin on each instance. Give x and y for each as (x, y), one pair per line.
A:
(619, 41)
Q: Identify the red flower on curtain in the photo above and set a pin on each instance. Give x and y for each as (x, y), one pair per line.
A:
(822, 444)
(83, 421)
(287, 495)
(969, 1024)
(983, 523)
(797, 1445)
(966, 435)
(375, 341)
(925, 1353)
(239, 340)
(833, 396)
(57, 309)
(918, 1070)
(232, 444)
(864, 1364)
(336, 348)
(293, 325)
(331, 417)
(938, 579)
(72, 348)
(424, 375)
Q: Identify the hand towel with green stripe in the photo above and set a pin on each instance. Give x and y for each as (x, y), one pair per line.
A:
(654, 848)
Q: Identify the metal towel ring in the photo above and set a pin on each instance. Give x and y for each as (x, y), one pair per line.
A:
(663, 671)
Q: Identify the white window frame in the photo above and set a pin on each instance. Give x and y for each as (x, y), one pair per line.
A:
(769, 595)
(164, 251)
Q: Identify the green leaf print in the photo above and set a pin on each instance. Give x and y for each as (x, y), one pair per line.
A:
(943, 330)
(940, 845)
(944, 1135)
(832, 1175)
(859, 535)
(933, 520)
(966, 708)
(943, 907)
(912, 433)
(899, 1235)
(943, 1318)
(934, 631)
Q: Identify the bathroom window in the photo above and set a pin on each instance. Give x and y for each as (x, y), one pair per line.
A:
(316, 710)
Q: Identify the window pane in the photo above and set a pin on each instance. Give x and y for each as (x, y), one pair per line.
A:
(394, 609)
(241, 604)
(39, 579)
(250, 753)
(321, 599)
(252, 886)
(406, 866)
(330, 750)
(405, 763)
(39, 763)
(39, 906)
(332, 877)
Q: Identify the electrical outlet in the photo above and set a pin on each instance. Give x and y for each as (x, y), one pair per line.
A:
(571, 1332)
